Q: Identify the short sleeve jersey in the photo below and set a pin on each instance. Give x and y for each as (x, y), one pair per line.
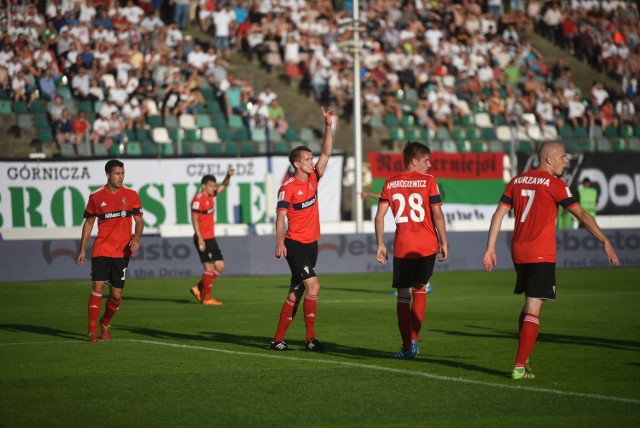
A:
(534, 197)
(300, 200)
(114, 212)
(410, 196)
(203, 206)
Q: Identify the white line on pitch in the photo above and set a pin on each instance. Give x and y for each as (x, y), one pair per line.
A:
(363, 366)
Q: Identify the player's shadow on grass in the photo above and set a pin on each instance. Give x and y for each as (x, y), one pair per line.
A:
(355, 290)
(155, 299)
(627, 345)
(47, 331)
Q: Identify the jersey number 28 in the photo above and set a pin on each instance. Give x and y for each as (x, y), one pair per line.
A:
(416, 205)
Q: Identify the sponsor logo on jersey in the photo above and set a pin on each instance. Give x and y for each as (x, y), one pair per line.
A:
(104, 204)
(281, 196)
(300, 192)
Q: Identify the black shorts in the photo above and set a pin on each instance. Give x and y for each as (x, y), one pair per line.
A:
(407, 272)
(302, 260)
(211, 251)
(537, 280)
(110, 270)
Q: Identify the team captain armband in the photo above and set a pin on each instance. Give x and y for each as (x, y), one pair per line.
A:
(566, 203)
(504, 199)
(283, 205)
(136, 211)
(435, 199)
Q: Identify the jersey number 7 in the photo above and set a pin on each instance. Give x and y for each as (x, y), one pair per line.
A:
(530, 194)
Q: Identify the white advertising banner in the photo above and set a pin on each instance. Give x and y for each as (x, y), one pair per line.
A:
(54, 194)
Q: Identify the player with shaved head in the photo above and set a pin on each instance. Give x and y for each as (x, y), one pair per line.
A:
(534, 196)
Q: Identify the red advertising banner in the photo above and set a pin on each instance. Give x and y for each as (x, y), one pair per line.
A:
(463, 166)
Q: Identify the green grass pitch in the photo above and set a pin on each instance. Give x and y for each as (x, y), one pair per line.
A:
(173, 362)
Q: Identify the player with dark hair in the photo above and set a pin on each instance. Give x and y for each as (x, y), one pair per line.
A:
(202, 218)
(298, 203)
(415, 202)
(534, 196)
(114, 205)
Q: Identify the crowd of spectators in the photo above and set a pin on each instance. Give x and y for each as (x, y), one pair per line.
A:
(433, 61)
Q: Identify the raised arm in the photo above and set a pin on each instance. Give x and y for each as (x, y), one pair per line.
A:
(327, 142)
(226, 180)
(489, 260)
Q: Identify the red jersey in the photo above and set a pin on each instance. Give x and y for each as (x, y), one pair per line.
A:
(203, 206)
(410, 196)
(114, 212)
(300, 200)
(535, 196)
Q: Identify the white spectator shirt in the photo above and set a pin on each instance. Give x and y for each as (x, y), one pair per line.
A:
(42, 59)
(5, 57)
(433, 36)
(103, 57)
(87, 13)
(174, 36)
(198, 59)
(575, 109)
(601, 95)
(133, 14)
(101, 126)
(118, 95)
(108, 109)
(104, 36)
(545, 110)
(81, 82)
(485, 74)
(131, 112)
(132, 85)
(123, 68)
(222, 20)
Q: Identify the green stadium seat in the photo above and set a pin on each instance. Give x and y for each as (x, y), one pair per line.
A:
(208, 95)
(45, 135)
(5, 107)
(133, 148)
(247, 148)
(85, 106)
(193, 135)
(459, 134)
(41, 121)
(480, 147)
(25, 121)
(167, 149)
(464, 146)
(475, 133)
(143, 135)
(611, 132)
(170, 122)
(131, 134)
(619, 145)
(443, 134)
(68, 150)
(281, 148)
(498, 120)
(203, 121)
(566, 132)
(291, 135)
(241, 134)
(154, 121)
(398, 134)
(449, 146)
(231, 149)
(390, 120)
(218, 121)
(634, 144)
(225, 134)
(413, 134)
(100, 151)
(149, 149)
(626, 131)
(117, 150)
(428, 134)
(38, 107)
(235, 121)
(214, 149)
(197, 148)
(467, 120)
(408, 121)
(213, 107)
(581, 132)
(489, 133)
(20, 107)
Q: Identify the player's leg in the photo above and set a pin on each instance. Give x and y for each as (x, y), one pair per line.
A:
(287, 313)
(95, 302)
(116, 284)
(309, 307)
(212, 268)
(423, 268)
(403, 279)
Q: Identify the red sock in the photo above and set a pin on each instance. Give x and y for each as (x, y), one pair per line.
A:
(207, 283)
(286, 317)
(403, 308)
(309, 308)
(417, 311)
(95, 301)
(110, 309)
(528, 336)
